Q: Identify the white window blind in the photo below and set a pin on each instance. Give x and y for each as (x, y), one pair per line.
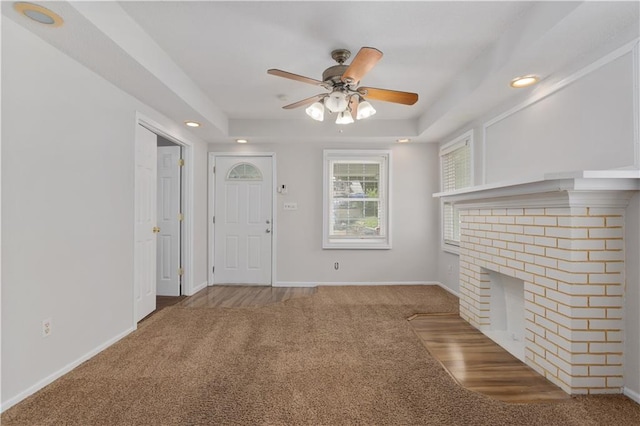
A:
(455, 161)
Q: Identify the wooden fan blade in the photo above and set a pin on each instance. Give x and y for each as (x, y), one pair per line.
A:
(406, 98)
(366, 58)
(304, 102)
(296, 77)
(353, 103)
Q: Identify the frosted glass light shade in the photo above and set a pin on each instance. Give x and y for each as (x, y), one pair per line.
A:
(365, 110)
(316, 111)
(344, 118)
(336, 102)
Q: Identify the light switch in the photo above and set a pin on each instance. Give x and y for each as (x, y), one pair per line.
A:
(291, 206)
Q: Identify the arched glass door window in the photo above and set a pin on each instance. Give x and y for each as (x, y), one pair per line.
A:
(244, 171)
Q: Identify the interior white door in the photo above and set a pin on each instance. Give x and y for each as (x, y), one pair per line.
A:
(145, 222)
(168, 239)
(243, 219)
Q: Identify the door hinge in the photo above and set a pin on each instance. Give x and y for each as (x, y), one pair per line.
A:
(214, 219)
(181, 271)
(181, 162)
(214, 170)
(213, 270)
(180, 217)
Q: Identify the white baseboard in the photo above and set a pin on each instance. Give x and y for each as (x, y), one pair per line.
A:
(198, 288)
(632, 394)
(363, 283)
(444, 287)
(64, 370)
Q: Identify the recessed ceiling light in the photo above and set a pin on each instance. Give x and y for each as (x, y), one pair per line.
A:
(39, 14)
(403, 140)
(192, 123)
(242, 140)
(524, 81)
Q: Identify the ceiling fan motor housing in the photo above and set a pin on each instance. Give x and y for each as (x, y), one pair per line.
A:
(333, 74)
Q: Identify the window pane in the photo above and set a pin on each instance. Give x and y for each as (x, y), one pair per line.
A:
(355, 218)
(355, 179)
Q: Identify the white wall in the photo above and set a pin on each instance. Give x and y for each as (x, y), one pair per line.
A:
(67, 210)
(586, 125)
(415, 228)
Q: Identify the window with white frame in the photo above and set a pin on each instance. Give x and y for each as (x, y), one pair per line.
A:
(457, 173)
(356, 199)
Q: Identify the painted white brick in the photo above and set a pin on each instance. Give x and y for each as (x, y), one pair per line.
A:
(605, 324)
(582, 222)
(566, 299)
(507, 220)
(492, 219)
(549, 325)
(615, 382)
(534, 230)
(605, 278)
(536, 330)
(499, 244)
(546, 261)
(566, 232)
(572, 323)
(549, 304)
(536, 309)
(524, 257)
(614, 336)
(614, 290)
(535, 289)
(574, 255)
(582, 244)
(515, 229)
(485, 212)
(591, 359)
(515, 212)
(546, 282)
(499, 212)
(534, 212)
(528, 296)
(588, 313)
(526, 239)
(549, 367)
(499, 261)
(534, 249)
(581, 289)
(614, 313)
(606, 255)
(545, 241)
(515, 247)
(614, 221)
(507, 237)
(560, 211)
(524, 220)
(524, 276)
(613, 244)
(567, 277)
(605, 232)
(559, 362)
(612, 267)
(610, 301)
(498, 228)
(606, 347)
(507, 253)
(614, 359)
(604, 211)
(608, 370)
(492, 235)
(588, 382)
(583, 267)
(546, 345)
(567, 345)
(507, 271)
(545, 221)
(583, 336)
(515, 264)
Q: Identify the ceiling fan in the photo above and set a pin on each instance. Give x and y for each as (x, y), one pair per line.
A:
(345, 97)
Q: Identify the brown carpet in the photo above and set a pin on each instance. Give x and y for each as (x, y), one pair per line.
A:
(343, 356)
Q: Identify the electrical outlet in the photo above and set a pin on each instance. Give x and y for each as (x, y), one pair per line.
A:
(46, 327)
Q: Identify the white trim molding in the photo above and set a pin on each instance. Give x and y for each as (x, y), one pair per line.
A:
(350, 283)
(64, 370)
(632, 394)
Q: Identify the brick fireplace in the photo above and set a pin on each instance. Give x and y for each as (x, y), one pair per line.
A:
(563, 238)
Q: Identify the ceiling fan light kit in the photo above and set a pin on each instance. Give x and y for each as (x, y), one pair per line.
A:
(345, 97)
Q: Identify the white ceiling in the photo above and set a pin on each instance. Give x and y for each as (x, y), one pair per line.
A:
(207, 60)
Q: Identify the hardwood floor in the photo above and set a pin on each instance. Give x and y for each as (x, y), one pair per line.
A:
(231, 296)
(479, 364)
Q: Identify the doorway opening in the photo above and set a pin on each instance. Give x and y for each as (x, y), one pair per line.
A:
(163, 217)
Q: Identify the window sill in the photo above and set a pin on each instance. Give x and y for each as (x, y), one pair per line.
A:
(450, 248)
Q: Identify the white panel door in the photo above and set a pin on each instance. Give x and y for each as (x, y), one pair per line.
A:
(145, 222)
(168, 259)
(243, 216)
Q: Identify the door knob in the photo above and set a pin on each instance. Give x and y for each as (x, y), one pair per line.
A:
(268, 221)
(156, 229)
(268, 231)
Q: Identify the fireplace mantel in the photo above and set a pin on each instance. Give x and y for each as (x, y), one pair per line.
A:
(553, 190)
(562, 235)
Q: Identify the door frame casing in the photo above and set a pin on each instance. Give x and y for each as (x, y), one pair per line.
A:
(187, 203)
(274, 222)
